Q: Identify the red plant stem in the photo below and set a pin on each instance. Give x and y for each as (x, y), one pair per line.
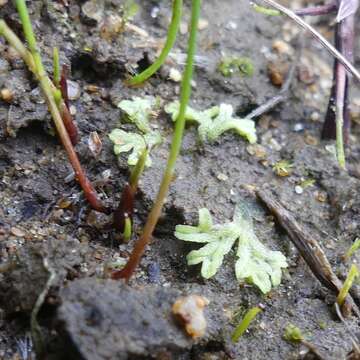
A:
(64, 107)
(329, 127)
(125, 208)
(155, 212)
(89, 191)
(63, 84)
(69, 123)
(344, 41)
(318, 10)
(48, 90)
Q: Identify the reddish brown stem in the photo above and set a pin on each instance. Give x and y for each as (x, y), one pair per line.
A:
(344, 41)
(64, 107)
(48, 90)
(63, 84)
(125, 208)
(69, 123)
(89, 191)
(317, 10)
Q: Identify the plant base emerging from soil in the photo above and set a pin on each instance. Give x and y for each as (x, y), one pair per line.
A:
(174, 151)
(33, 60)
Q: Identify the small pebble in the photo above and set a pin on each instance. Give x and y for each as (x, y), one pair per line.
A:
(7, 95)
(203, 24)
(93, 10)
(94, 143)
(189, 311)
(17, 232)
(73, 89)
(111, 26)
(155, 12)
(298, 127)
(315, 116)
(299, 190)
(282, 47)
(231, 25)
(222, 177)
(256, 150)
(175, 75)
(321, 196)
(72, 110)
(183, 28)
(311, 140)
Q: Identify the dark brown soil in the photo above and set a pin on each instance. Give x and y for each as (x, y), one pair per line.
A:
(43, 214)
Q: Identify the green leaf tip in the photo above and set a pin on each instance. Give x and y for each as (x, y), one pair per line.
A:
(214, 121)
(246, 321)
(353, 248)
(134, 143)
(138, 111)
(352, 275)
(256, 264)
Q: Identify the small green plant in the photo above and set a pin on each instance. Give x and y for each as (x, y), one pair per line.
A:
(129, 10)
(229, 66)
(246, 321)
(64, 125)
(353, 248)
(256, 263)
(168, 175)
(307, 183)
(138, 111)
(352, 275)
(293, 334)
(136, 143)
(283, 168)
(215, 121)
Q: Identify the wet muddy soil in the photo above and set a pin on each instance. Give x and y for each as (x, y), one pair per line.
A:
(44, 216)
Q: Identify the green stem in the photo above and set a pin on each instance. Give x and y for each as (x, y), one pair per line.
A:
(127, 229)
(340, 100)
(33, 61)
(242, 327)
(174, 151)
(353, 273)
(29, 35)
(339, 139)
(138, 170)
(56, 65)
(170, 40)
